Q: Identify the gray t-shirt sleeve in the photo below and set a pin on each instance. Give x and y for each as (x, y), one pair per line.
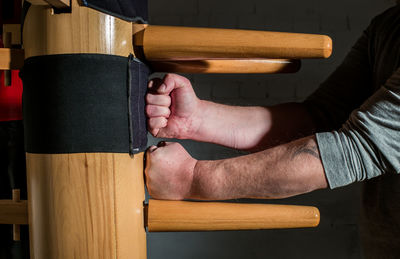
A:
(368, 143)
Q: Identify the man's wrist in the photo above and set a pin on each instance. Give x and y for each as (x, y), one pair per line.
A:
(207, 182)
(196, 186)
(188, 182)
(196, 128)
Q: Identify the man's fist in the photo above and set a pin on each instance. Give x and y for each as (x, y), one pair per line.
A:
(169, 171)
(172, 108)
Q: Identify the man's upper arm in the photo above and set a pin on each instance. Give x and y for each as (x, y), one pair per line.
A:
(345, 89)
(368, 143)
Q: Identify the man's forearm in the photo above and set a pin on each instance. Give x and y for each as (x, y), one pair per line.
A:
(252, 128)
(232, 126)
(279, 172)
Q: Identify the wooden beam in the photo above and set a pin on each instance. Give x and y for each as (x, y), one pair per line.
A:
(12, 212)
(11, 58)
(209, 216)
(187, 43)
(238, 66)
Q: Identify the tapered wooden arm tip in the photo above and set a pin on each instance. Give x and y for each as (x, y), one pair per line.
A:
(327, 46)
(317, 217)
(211, 216)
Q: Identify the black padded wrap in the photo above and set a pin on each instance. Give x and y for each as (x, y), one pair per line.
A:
(78, 103)
(130, 10)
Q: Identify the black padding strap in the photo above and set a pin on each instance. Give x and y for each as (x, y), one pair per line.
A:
(137, 76)
(76, 103)
(130, 10)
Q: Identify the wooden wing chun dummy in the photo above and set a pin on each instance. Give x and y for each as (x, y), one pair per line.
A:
(85, 134)
(85, 77)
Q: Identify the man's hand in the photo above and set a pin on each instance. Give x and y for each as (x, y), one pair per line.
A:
(169, 171)
(286, 170)
(174, 111)
(172, 108)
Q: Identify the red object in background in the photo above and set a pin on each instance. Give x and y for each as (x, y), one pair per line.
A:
(11, 98)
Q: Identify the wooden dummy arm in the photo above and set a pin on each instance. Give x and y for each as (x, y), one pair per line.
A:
(209, 216)
(237, 66)
(199, 216)
(14, 59)
(160, 43)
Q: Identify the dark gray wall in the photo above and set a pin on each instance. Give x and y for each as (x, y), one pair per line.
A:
(343, 20)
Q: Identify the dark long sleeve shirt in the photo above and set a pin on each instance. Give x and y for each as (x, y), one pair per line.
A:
(358, 112)
(360, 104)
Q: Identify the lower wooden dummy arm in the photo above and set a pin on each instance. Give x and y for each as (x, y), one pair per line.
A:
(209, 216)
(199, 216)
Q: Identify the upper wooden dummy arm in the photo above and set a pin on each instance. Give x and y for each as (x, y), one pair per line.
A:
(187, 43)
(206, 50)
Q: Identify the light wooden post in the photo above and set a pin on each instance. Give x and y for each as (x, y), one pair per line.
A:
(85, 205)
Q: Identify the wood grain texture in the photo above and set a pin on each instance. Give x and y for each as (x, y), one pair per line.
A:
(209, 216)
(186, 43)
(86, 206)
(12, 212)
(83, 205)
(11, 58)
(238, 66)
(84, 30)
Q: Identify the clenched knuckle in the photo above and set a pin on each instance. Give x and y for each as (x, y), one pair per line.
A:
(148, 109)
(149, 98)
